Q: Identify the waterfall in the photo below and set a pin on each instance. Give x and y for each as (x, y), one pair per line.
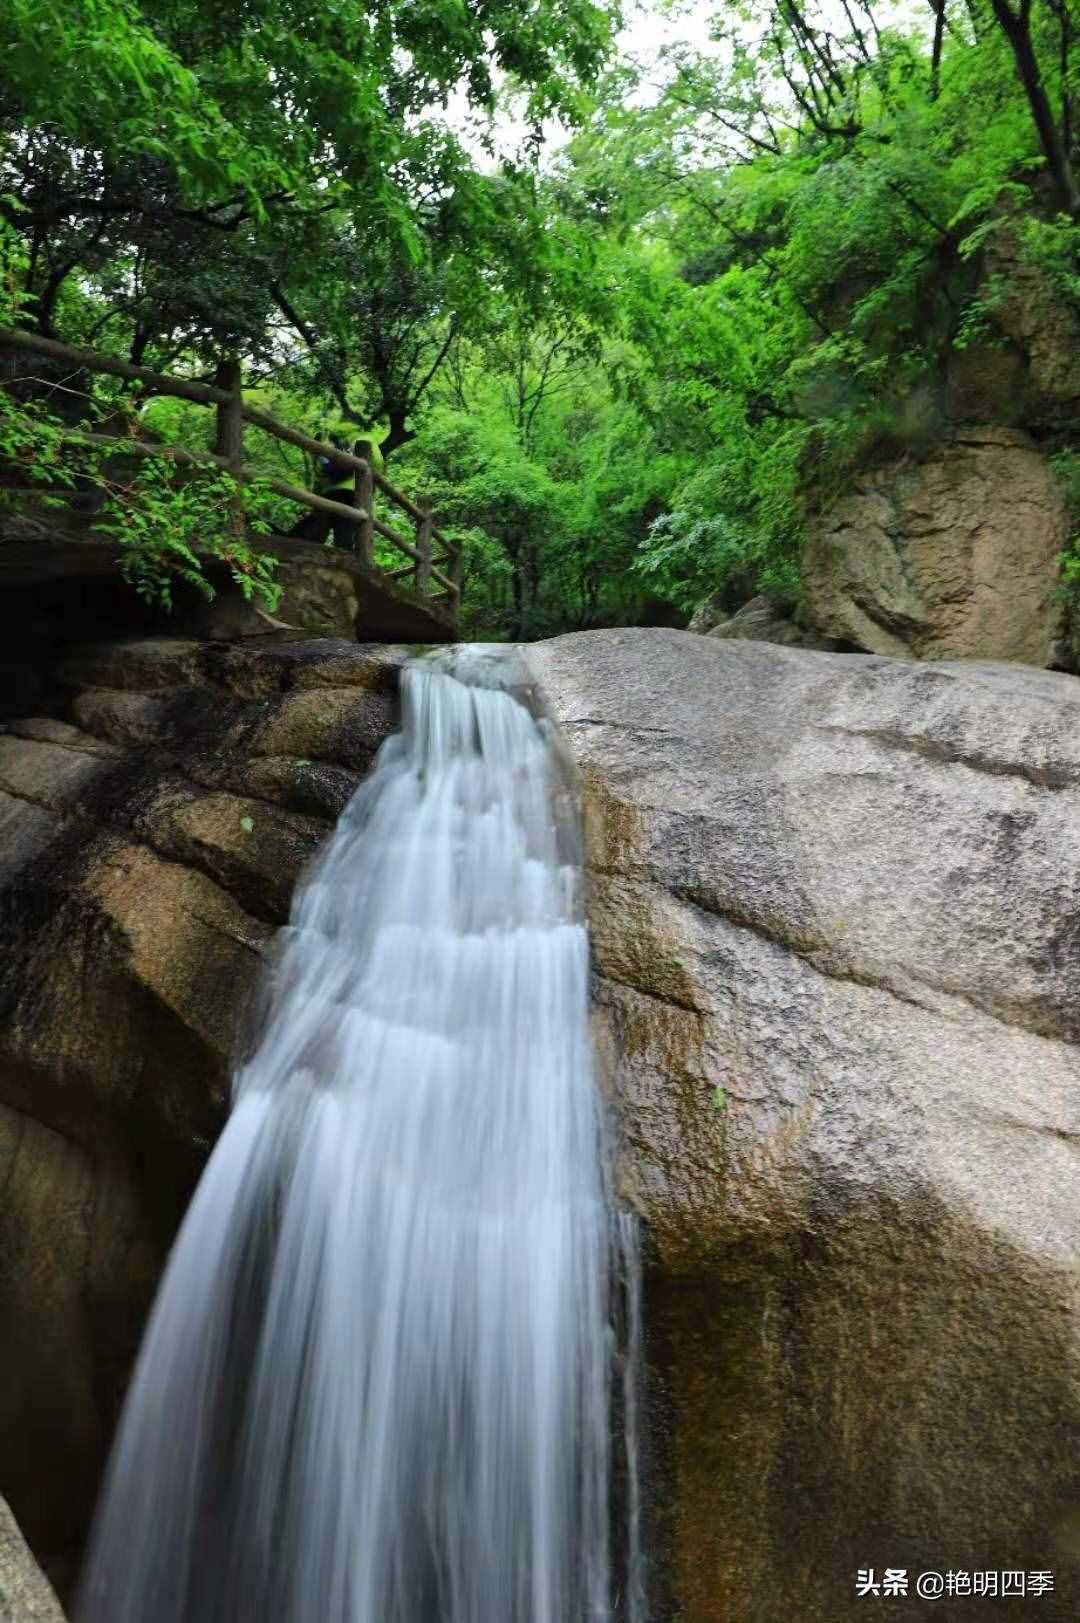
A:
(390, 1373)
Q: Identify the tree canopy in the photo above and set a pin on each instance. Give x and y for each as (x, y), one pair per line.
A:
(627, 364)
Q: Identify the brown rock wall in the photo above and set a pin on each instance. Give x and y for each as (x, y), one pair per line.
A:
(152, 827)
(953, 555)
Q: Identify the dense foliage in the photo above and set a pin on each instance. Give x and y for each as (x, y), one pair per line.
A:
(625, 369)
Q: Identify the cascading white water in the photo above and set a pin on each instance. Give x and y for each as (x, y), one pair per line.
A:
(377, 1383)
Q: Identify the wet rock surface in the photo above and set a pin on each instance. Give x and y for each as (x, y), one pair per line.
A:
(154, 817)
(835, 905)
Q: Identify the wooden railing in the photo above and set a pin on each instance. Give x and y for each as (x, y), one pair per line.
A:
(434, 566)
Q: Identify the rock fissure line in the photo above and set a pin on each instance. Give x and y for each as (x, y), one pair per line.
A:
(228, 935)
(1068, 1135)
(12, 793)
(623, 726)
(1048, 778)
(663, 998)
(26, 1118)
(106, 750)
(820, 957)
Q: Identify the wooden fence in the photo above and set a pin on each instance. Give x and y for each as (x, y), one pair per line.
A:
(434, 568)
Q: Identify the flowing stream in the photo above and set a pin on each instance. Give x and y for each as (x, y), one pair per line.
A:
(390, 1376)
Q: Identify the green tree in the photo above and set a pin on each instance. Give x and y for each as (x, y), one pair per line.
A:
(809, 217)
(187, 183)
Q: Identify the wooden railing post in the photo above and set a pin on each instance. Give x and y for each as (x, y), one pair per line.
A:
(229, 442)
(364, 499)
(423, 547)
(434, 559)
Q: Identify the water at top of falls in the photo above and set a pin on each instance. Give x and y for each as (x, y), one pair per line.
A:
(378, 1383)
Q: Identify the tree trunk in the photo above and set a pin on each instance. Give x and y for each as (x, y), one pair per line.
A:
(939, 39)
(1017, 29)
(229, 438)
(512, 548)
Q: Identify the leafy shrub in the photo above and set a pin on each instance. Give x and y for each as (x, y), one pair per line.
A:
(167, 527)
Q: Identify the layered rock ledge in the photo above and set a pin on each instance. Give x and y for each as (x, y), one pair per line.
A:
(152, 825)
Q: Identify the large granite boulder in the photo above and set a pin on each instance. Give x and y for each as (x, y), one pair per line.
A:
(25, 1594)
(835, 905)
(154, 815)
(954, 554)
(711, 611)
(762, 620)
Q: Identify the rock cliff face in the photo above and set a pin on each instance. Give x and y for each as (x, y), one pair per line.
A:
(951, 555)
(1042, 331)
(153, 821)
(953, 551)
(835, 904)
